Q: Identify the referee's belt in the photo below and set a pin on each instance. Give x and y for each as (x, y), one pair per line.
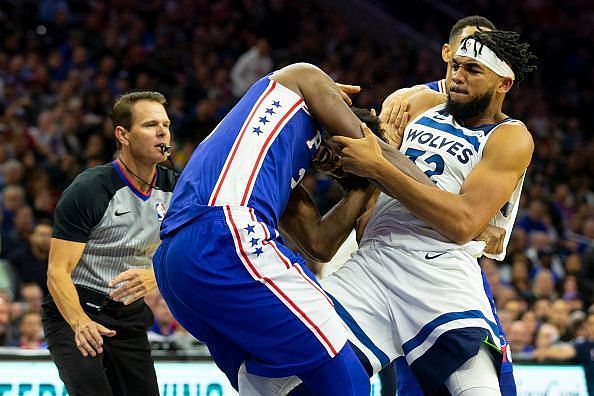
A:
(95, 301)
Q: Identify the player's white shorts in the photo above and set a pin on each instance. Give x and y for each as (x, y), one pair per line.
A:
(430, 307)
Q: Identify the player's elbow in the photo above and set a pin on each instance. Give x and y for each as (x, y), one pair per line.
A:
(309, 77)
(306, 68)
(323, 256)
(463, 232)
(320, 250)
(458, 236)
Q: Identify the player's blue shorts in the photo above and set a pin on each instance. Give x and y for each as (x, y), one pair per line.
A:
(408, 385)
(229, 280)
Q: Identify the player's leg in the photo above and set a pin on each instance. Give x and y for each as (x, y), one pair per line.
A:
(476, 377)
(407, 383)
(285, 302)
(444, 315)
(251, 384)
(388, 380)
(227, 355)
(302, 390)
(362, 300)
(211, 269)
(358, 290)
(507, 381)
(341, 376)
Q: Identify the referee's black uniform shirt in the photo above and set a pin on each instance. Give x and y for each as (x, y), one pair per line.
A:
(120, 227)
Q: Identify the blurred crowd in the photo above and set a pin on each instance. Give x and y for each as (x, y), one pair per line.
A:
(62, 63)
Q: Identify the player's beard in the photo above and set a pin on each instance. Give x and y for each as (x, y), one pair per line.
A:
(464, 111)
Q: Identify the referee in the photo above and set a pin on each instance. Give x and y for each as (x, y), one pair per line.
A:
(106, 231)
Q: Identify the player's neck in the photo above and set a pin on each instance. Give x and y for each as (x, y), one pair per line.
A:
(477, 121)
(491, 115)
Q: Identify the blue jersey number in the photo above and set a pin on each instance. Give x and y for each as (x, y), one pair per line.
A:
(435, 159)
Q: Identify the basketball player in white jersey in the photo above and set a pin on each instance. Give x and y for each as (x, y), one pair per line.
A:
(395, 115)
(430, 294)
(394, 110)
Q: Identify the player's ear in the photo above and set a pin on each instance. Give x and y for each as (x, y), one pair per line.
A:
(505, 84)
(446, 53)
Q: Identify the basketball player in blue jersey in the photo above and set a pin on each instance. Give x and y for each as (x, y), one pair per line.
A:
(440, 317)
(223, 268)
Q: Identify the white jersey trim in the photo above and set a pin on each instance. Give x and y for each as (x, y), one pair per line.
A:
(238, 176)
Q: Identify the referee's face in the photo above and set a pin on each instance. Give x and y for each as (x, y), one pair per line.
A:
(150, 129)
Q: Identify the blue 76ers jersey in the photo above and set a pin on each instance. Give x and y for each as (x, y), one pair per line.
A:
(253, 158)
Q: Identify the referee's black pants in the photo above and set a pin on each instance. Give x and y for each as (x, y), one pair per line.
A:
(125, 368)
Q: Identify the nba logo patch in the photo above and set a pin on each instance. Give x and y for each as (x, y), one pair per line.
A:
(161, 209)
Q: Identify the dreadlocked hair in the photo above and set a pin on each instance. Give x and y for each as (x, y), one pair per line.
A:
(506, 45)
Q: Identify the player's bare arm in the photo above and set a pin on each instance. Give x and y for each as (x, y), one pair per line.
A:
(460, 217)
(346, 90)
(63, 258)
(424, 100)
(320, 237)
(322, 96)
(395, 113)
(493, 236)
(402, 94)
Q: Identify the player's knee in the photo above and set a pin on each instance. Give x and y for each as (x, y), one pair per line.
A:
(343, 375)
(480, 391)
(251, 384)
(476, 377)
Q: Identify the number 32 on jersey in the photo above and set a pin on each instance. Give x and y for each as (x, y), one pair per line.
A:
(434, 159)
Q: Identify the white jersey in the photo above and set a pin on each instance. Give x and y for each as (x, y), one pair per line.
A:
(447, 152)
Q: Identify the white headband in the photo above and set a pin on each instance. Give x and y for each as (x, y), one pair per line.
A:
(480, 52)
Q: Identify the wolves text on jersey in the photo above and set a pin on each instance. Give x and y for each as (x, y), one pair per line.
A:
(451, 146)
